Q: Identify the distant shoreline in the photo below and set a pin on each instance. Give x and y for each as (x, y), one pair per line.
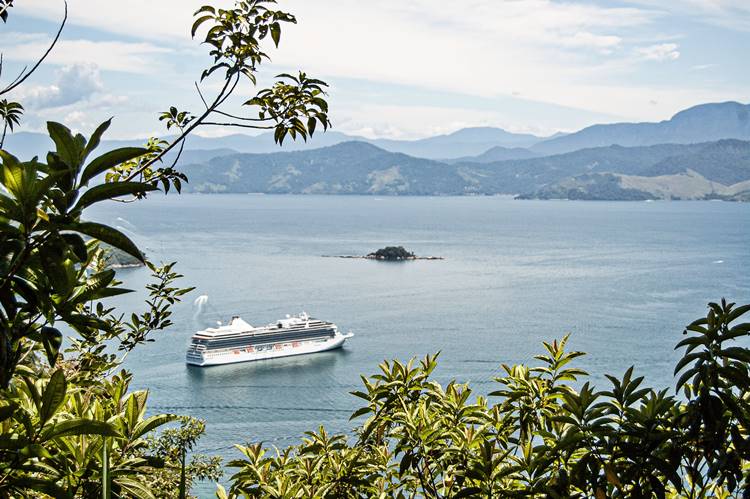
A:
(510, 197)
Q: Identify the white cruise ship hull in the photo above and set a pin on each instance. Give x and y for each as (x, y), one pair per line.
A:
(264, 352)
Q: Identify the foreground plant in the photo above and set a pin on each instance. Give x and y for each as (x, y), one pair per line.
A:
(547, 434)
(70, 425)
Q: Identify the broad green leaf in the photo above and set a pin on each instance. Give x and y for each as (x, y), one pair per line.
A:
(52, 341)
(77, 246)
(198, 23)
(276, 33)
(109, 160)
(111, 236)
(48, 487)
(53, 396)
(69, 149)
(95, 138)
(7, 411)
(79, 427)
(135, 488)
(151, 423)
(110, 191)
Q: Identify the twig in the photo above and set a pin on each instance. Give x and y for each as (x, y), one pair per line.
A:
(24, 75)
(241, 125)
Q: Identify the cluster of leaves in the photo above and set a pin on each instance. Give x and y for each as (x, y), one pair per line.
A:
(10, 114)
(57, 436)
(4, 6)
(70, 427)
(172, 446)
(548, 434)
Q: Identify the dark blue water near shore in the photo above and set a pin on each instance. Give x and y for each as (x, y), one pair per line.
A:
(623, 278)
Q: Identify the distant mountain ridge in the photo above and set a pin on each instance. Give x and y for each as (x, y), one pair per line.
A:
(497, 153)
(464, 142)
(714, 170)
(361, 168)
(703, 123)
(702, 152)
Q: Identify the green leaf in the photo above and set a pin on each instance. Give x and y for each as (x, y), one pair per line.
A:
(311, 123)
(95, 138)
(68, 149)
(48, 487)
(35, 451)
(135, 488)
(110, 191)
(737, 312)
(198, 23)
(52, 341)
(151, 423)
(53, 396)
(360, 412)
(276, 33)
(7, 411)
(80, 427)
(77, 246)
(468, 492)
(111, 236)
(110, 160)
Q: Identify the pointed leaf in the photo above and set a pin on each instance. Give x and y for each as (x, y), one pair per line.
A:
(110, 191)
(53, 396)
(109, 160)
(80, 427)
(111, 236)
(52, 341)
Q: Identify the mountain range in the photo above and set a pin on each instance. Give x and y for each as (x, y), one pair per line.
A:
(464, 142)
(701, 152)
(612, 172)
(704, 123)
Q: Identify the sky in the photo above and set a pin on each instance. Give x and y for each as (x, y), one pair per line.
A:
(396, 69)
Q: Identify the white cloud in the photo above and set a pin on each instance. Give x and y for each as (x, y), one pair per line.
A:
(576, 54)
(732, 14)
(130, 57)
(604, 44)
(660, 52)
(75, 83)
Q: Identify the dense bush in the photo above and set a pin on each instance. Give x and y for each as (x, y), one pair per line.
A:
(71, 427)
(543, 433)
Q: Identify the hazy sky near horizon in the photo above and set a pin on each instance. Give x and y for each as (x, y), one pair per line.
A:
(398, 69)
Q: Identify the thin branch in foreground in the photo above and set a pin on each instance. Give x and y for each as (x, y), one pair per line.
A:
(198, 88)
(24, 74)
(240, 125)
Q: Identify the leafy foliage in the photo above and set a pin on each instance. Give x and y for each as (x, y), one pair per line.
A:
(548, 433)
(4, 6)
(10, 114)
(70, 426)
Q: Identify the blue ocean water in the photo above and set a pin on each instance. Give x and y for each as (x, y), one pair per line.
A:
(623, 278)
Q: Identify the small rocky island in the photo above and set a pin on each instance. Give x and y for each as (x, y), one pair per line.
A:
(391, 254)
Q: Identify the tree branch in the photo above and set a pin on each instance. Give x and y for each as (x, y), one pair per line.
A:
(24, 75)
(240, 125)
(193, 125)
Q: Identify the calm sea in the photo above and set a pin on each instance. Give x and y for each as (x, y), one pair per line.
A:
(623, 278)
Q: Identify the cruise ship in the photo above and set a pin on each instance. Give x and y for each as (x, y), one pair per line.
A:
(238, 341)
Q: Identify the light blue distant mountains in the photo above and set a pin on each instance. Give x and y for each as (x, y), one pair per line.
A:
(700, 153)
